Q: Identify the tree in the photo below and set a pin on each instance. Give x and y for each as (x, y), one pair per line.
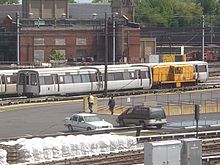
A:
(101, 1)
(56, 55)
(72, 1)
(9, 1)
(167, 13)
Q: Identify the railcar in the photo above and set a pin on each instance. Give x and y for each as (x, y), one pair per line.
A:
(8, 82)
(84, 79)
(77, 80)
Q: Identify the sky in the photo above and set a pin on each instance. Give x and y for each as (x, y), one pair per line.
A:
(78, 1)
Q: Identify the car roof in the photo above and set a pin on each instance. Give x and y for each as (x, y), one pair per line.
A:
(85, 114)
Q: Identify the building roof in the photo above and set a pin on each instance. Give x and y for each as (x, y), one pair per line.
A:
(76, 10)
(86, 10)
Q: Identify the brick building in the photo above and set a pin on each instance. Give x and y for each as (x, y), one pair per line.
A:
(43, 30)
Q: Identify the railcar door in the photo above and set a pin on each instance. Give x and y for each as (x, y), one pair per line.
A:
(99, 80)
(2, 84)
(56, 86)
(139, 77)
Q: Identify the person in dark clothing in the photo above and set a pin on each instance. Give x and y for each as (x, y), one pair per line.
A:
(111, 104)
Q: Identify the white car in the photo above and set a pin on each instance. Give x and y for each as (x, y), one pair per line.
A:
(86, 121)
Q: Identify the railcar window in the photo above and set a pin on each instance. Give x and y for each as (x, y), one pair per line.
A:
(85, 78)
(143, 74)
(93, 77)
(61, 79)
(126, 76)
(3, 79)
(11, 79)
(33, 79)
(68, 79)
(22, 79)
(118, 76)
(48, 80)
(76, 79)
(41, 80)
(110, 76)
(132, 75)
(202, 68)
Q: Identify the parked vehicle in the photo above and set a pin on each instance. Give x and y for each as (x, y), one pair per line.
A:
(143, 115)
(86, 122)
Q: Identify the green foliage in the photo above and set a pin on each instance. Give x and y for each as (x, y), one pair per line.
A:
(56, 55)
(168, 13)
(101, 1)
(9, 1)
(72, 1)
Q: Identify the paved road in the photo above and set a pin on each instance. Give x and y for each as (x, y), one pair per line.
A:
(47, 118)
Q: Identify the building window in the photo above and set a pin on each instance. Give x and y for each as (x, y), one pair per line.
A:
(80, 41)
(38, 41)
(60, 41)
(38, 56)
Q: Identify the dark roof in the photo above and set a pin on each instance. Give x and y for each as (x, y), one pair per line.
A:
(76, 10)
(9, 10)
(86, 10)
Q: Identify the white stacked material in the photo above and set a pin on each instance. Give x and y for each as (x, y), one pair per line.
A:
(62, 147)
(3, 157)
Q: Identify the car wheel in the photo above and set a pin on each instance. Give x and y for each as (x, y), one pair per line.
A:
(142, 123)
(88, 129)
(121, 123)
(159, 126)
(70, 128)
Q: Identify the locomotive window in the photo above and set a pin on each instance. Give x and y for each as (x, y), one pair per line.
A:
(11, 79)
(118, 76)
(202, 68)
(85, 78)
(178, 70)
(126, 76)
(68, 79)
(76, 79)
(110, 76)
(48, 80)
(33, 79)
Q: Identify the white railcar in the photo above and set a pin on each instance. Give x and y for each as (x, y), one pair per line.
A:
(8, 82)
(77, 80)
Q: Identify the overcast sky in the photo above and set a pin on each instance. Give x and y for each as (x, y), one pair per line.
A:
(78, 1)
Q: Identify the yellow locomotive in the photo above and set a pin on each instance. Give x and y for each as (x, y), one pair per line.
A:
(173, 75)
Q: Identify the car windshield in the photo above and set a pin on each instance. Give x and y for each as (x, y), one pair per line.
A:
(92, 118)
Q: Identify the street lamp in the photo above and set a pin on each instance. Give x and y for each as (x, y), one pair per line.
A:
(113, 41)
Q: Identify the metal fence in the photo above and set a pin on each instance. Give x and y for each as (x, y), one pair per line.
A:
(179, 104)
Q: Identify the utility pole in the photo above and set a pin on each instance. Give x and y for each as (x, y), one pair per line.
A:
(106, 56)
(203, 37)
(113, 41)
(18, 38)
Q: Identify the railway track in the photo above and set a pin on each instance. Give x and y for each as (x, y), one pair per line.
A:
(25, 100)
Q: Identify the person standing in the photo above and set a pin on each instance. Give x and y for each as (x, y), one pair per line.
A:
(111, 104)
(90, 102)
